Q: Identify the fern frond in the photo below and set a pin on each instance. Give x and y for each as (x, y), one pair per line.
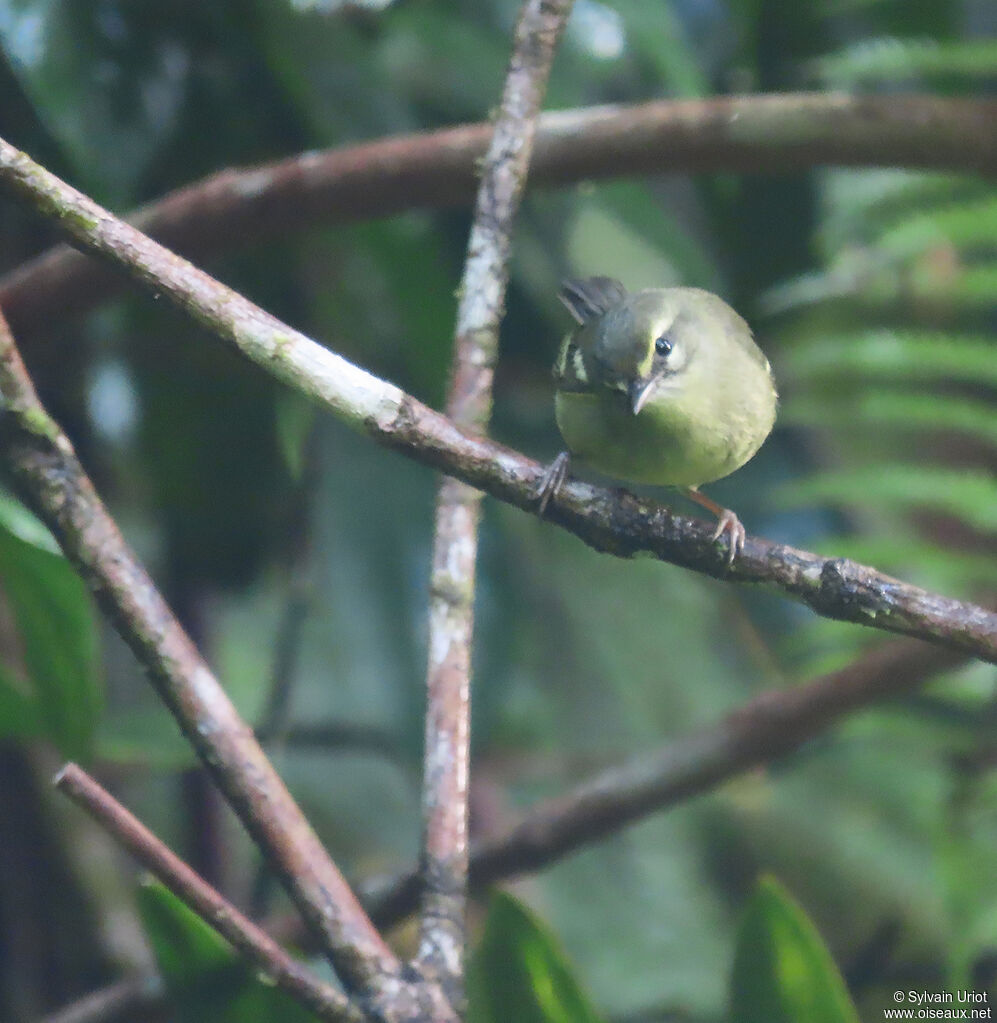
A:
(975, 287)
(895, 355)
(968, 495)
(893, 59)
(855, 204)
(900, 413)
(964, 225)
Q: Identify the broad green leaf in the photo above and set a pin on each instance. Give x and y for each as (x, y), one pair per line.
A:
(16, 519)
(19, 712)
(783, 972)
(205, 980)
(520, 973)
(56, 630)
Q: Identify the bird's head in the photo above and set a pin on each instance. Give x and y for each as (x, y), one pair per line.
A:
(643, 345)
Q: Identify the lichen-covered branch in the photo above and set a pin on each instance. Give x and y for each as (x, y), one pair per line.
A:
(41, 462)
(609, 520)
(469, 404)
(770, 134)
(771, 726)
(255, 945)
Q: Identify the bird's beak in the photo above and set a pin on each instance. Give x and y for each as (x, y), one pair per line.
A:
(638, 392)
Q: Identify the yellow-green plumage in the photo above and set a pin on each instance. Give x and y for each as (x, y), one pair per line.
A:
(661, 386)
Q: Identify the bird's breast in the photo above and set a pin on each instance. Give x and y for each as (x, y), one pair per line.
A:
(683, 436)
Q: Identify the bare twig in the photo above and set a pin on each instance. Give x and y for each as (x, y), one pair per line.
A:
(49, 477)
(772, 725)
(611, 521)
(777, 133)
(139, 997)
(458, 508)
(252, 943)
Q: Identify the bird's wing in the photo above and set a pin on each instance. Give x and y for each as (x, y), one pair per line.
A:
(589, 297)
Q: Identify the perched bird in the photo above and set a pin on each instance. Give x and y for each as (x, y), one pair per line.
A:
(663, 386)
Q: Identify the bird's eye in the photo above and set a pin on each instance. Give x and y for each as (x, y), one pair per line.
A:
(663, 345)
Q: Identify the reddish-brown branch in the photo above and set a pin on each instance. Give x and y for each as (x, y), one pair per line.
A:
(612, 521)
(254, 944)
(769, 134)
(469, 405)
(769, 727)
(47, 474)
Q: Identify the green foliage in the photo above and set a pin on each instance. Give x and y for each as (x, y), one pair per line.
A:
(53, 49)
(520, 973)
(50, 686)
(877, 357)
(894, 487)
(783, 973)
(912, 253)
(205, 981)
(894, 58)
(879, 336)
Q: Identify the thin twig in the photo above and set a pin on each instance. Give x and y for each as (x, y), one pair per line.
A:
(250, 941)
(612, 521)
(47, 474)
(140, 997)
(773, 134)
(774, 724)
(458, 507)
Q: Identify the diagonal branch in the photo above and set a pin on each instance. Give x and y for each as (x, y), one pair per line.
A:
(254, 944)
(771, 726)
(765, 133)
(612, 521)
(47, 474)
(458, 509)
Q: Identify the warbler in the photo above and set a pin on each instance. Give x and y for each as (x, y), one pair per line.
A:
(663, 386)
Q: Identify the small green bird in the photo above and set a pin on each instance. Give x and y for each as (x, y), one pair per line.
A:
(662, 386)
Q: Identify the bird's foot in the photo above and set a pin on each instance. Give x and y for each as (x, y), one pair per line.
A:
(550, 483)
(727, 522)
(730, 523)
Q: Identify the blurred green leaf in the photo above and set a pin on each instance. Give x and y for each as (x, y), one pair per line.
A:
(659, 37)
(55, 626)
(520, 973)
(19, 713)
(205, 980)
(99, 83)
(783, 973)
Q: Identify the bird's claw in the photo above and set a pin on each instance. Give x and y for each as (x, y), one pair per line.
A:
(550, 483)
(730, 523)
